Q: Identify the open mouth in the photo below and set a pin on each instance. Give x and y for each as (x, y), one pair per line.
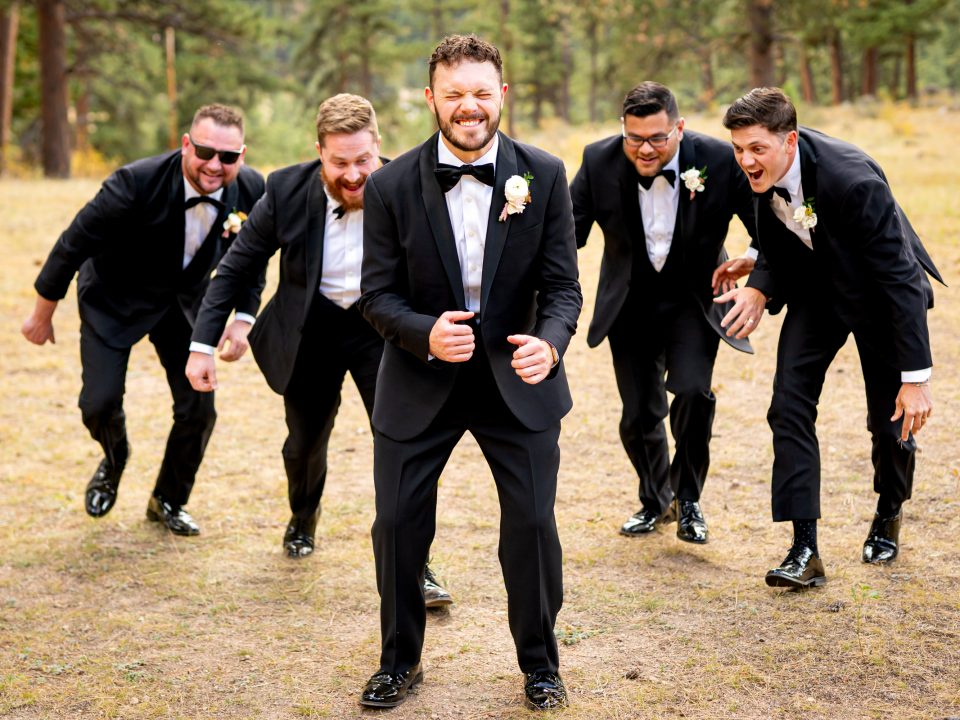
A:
(469, 122)
(755, 175)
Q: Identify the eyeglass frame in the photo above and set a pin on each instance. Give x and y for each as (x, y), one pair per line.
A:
(657, 142)
(227, 157)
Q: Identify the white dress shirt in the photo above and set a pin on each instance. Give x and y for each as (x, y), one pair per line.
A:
(658, 208)
(342, 254)
(197, 221)
(468, 204)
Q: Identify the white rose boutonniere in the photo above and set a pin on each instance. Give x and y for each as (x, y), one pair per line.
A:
(233, 223)
(804, 216)
(694, 179)
(517, 193)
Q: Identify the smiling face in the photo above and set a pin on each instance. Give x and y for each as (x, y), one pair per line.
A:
(208, 176)
(466, 99)
(763, 155)
(348, 158)
(649, 160)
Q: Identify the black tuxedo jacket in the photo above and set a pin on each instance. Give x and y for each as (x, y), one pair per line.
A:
(605, 191)
(411, 275)
(866, 256)
(127, 244)
(291, 217)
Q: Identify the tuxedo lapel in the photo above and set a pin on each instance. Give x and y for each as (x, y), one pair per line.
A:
(316, 225)
(687, 207)
(497, 231)
(438, 217)
(808, 178)
(630, 202)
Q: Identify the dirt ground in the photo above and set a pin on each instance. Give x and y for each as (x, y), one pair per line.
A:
(114, 618)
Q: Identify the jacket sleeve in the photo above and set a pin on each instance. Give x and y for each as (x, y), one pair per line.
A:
(248, 300)
(582, 197)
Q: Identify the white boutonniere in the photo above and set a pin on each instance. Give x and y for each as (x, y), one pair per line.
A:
(694, 180)
(804, 216)
(517, 193)
(233, 223)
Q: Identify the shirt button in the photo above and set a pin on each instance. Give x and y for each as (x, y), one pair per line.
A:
(469, 199)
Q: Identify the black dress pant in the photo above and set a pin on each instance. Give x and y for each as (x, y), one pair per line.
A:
(657, 347)
(524, 466)
(335, 340)
(101, 403)
(810, 338)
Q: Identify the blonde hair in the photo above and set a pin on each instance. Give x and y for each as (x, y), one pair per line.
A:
(346, 114)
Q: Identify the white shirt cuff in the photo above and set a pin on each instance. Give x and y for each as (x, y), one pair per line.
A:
(201, 348)
(247, 318)
(914, 376)
(752, 253)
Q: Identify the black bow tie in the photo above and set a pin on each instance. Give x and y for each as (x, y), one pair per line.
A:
(196, 200)
(339, 211)
(647, 180)
(449, 175)
(775, 190)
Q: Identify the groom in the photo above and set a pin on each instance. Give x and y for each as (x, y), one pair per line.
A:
(470, 274)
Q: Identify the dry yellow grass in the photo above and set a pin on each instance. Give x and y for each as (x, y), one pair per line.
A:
(116, 619)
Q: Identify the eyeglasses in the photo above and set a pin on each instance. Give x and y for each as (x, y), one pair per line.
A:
(656, 141)
(205, 152)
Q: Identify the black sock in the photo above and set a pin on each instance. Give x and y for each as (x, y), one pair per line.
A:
(887, 507)
(805, 533)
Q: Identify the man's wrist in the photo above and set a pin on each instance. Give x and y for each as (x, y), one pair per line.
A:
(916, 377)
(245, 317)
(554, 355)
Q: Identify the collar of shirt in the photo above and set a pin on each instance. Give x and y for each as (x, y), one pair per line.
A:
(190, 191)
(674, 165)
(446, 156)
(791, 181)
(332, 203)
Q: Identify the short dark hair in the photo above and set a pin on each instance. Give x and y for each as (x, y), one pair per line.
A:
(650, 98)
(768, 107)
(454, 49)
(221, 114)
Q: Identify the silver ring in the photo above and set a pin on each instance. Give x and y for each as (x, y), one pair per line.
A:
(749, 321)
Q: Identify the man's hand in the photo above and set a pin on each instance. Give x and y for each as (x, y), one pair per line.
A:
(38, 328)
(915, 404)
(727, 273)
(201, 372)
(746, 313)
(533, 358)
(450, 341)
(236, 334)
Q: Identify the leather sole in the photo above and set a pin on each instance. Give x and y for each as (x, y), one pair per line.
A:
(417, 679)
(438, 603)
(774, 580)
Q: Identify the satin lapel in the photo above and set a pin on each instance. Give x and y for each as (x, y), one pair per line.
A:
(316, 224)
(687, 207)
(497, 231)
(231, 194)
(177, 220)
(435, 204)
(808, 178)
(630, 204)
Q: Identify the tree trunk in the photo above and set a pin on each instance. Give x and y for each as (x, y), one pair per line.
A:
(563, 106)
(55, 139)
(911, 69)
(807, 84)
(895, 77)
(593, 48)
(836, 67)
(760, 13)
(9, 20)
(868, 81)
(507, 40)
(173, 127)
(708, 92)
(83, 115)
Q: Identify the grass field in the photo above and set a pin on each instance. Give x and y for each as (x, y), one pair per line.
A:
(114, 618)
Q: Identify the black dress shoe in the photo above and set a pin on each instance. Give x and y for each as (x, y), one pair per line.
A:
(801, 568)
(298, 538)
(177, 520)
(691, 527)
(883, 541)
(387, 690)
(102, 489)
(434, 596)
(544, 690)
(646, 521)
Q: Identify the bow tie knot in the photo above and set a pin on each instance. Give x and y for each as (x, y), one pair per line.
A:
(339, 211)
(647, 180)
(449, 175)
(197, 199)
(777, 190)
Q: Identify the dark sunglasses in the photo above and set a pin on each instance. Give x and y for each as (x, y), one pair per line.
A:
(205, 152)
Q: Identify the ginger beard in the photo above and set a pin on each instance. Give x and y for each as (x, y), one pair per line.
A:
(349, 195)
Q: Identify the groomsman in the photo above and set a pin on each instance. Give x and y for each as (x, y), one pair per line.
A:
(144, 248)
(310, 334)
(838, 251)
(470, 274)
(663, 196)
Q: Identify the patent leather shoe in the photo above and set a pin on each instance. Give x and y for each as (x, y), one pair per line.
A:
(101, 494)
(544, 690)
(883, 540)
(802, 568)
(434, 596)
(691, 527)
(387, 690)
(176, 519)
(298, 538)
(645, 521)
